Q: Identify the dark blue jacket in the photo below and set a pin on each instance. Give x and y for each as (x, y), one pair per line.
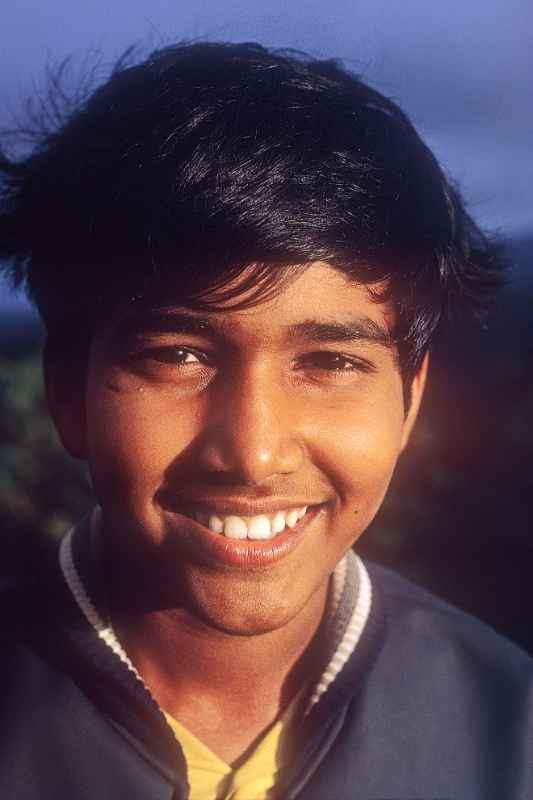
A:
(433, 705)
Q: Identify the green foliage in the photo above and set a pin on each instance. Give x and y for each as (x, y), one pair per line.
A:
(42, 490)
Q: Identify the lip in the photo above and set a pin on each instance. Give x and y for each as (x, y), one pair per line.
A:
(246, 552)
(238, 507)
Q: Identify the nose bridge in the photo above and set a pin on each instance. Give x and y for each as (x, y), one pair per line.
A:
(258, 416)
(254, 436)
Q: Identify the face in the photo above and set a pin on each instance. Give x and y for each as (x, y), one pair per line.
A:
(208, 433)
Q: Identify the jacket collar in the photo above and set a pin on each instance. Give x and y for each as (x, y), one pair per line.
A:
(79, 639)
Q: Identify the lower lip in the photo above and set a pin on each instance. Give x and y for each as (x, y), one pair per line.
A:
(248, 552)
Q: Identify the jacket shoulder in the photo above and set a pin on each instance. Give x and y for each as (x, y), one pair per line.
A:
(445, 709)
(424, 618)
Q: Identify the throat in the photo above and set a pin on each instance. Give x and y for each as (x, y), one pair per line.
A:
(225, 690)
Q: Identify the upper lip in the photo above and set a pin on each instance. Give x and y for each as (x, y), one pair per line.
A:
(242, 509)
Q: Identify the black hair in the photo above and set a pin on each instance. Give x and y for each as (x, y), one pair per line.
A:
(206, 158)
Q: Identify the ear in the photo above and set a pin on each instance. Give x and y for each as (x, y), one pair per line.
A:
(65, 393)
(417, 390)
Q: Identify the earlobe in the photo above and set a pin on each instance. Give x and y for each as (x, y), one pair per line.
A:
(65, 394)
(417, 391)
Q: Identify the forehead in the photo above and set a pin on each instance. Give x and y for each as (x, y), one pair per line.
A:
(312, 299)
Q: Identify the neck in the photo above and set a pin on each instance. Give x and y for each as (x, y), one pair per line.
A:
(225, 689)
(188, 664)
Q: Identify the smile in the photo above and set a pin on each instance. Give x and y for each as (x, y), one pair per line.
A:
(226, 538)
(261, 526)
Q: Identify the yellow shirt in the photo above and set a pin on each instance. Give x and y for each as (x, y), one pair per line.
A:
(210, 778)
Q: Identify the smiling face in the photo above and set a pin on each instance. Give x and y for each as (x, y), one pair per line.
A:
(200, 427)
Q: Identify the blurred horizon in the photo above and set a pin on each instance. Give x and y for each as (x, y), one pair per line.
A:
(15, 304)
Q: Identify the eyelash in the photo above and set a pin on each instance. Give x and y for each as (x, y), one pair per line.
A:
(355, 364)
(168, 355)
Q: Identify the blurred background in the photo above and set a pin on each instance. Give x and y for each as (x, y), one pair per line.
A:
(459, 512)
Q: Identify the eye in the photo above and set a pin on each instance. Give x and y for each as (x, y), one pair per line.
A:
(173, 355)
(333, 362)
(177, 355)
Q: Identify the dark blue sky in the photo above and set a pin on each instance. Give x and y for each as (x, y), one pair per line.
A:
(461, 68)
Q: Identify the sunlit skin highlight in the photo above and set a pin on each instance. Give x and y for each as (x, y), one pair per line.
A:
(295, 401)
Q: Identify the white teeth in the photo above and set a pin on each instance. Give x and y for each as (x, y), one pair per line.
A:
(216, 524)
(278, 523)
(291, 518)
(259, 528)
(235, 528)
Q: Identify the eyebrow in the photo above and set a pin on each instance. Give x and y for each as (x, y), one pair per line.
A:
(360, 329)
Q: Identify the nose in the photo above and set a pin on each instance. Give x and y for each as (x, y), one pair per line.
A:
(252, 429)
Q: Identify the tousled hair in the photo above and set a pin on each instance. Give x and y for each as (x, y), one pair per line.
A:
(206, 158)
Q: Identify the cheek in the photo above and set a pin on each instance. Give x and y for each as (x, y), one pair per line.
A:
(134, 437)
(361, 450)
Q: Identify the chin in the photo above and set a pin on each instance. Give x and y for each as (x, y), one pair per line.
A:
(240, 627)
(243, 616)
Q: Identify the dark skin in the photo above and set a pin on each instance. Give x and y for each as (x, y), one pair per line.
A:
(294, 401)
(239, 685)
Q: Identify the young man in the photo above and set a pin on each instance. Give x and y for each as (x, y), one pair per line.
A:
(241, 258)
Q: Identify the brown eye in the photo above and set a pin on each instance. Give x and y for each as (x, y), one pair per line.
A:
(331, 362)
(176, 355)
